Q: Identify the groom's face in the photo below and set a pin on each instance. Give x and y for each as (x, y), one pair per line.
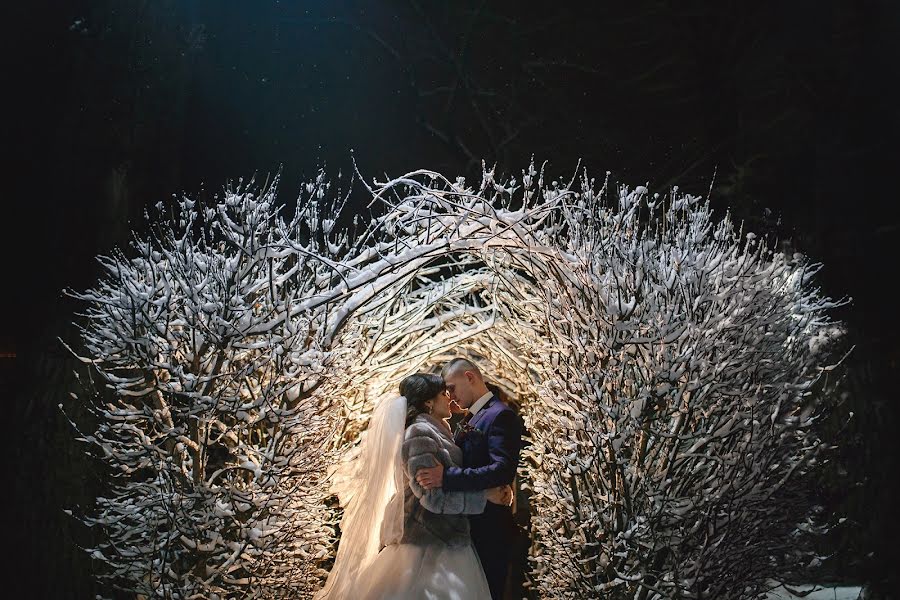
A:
(459, 386)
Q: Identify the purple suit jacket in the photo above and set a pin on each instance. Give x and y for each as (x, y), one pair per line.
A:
(490, 445)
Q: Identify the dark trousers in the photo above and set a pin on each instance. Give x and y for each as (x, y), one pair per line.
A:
(493, 534)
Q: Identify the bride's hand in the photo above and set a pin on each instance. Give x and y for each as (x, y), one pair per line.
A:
(500, 495)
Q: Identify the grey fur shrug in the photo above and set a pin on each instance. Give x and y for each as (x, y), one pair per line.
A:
(435, 516)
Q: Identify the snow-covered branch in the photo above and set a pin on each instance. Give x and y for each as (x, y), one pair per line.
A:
(669, 369)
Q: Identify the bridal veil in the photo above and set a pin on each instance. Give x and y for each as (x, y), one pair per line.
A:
(370, 487)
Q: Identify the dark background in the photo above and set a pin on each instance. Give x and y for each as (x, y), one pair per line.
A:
(114, 105)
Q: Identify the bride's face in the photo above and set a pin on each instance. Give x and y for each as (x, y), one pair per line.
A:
(440, 406)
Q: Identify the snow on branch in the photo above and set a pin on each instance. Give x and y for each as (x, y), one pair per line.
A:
(669, 367)
(673, 423)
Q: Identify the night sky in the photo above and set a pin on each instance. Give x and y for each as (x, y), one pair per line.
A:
(788, 109)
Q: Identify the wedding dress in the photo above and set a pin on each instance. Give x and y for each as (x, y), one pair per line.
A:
(399, 541)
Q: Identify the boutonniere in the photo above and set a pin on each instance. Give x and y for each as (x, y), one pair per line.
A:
(464, 429)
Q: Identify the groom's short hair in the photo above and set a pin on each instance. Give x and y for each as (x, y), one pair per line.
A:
(460, 364)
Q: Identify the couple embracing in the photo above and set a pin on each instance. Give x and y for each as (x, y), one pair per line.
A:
(427, 511)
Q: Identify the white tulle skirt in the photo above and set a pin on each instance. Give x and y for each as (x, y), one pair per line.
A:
(409, 572)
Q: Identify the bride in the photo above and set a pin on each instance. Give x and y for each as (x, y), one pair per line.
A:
(399, 541)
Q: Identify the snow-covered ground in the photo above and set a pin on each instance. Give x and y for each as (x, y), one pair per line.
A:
(818, 593)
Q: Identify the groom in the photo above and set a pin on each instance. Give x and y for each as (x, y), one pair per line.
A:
(490, 436)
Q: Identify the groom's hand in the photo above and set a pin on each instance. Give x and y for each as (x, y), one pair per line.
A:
(431, 478)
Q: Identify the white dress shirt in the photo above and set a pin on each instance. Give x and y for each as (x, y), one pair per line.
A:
(479, 404)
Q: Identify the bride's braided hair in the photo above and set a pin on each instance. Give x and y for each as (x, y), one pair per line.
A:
(418, 389)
